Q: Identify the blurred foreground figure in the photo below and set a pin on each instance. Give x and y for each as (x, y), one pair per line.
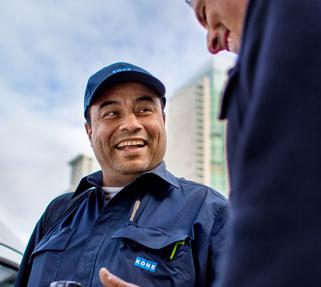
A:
(272, 104)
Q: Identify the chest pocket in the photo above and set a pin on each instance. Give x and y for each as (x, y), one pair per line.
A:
(154, 256)
(47, 255)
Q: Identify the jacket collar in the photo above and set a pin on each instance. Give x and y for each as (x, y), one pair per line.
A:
(163, 173)
(95, 179)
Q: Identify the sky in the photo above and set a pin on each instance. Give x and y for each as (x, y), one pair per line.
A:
(48, 50)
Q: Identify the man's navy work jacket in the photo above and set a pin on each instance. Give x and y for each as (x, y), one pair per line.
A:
(175, 238)
(273, 107)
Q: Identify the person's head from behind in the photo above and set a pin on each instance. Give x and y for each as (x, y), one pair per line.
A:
(124, 110)
(223, 20)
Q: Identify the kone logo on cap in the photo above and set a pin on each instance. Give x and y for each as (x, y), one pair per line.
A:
(121, 70)
(145, 264)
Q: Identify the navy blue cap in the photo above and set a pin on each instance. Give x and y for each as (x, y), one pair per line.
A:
(119, 73)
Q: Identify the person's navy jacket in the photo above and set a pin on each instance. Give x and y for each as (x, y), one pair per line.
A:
(140, 248)
(273, 107)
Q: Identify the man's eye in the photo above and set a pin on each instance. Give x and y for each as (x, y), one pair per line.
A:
(144, 110)
(109, 114)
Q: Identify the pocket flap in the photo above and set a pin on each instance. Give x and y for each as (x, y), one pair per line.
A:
(55, 241)
(153, 238)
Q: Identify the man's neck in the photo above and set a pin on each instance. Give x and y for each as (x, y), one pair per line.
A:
(119, 179)
(115, 181)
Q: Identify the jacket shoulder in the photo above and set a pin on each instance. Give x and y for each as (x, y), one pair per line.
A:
(55, 210)
(190, 186)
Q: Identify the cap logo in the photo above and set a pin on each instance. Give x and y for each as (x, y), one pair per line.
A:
(121, 70)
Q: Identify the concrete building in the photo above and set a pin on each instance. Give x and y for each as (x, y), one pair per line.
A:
(196, 148)
(81, 166)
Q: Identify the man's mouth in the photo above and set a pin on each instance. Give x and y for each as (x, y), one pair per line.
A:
(130, 144)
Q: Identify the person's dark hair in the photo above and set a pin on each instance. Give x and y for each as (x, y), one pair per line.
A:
(189, 2)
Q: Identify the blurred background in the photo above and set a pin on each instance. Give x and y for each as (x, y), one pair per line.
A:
(49, 48)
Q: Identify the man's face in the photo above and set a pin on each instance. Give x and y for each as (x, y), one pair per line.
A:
(223, 20)
(127, 132)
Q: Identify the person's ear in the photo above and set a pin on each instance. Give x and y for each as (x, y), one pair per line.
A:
(88, 128)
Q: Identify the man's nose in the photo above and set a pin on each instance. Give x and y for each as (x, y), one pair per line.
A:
(130, 123)
(213, 42)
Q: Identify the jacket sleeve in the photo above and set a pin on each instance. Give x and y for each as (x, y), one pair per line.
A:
(25, 265)
(51, 215)
(218, 243)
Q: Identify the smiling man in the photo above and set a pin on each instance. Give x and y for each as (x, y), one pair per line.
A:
(133, 217)
(126, 131)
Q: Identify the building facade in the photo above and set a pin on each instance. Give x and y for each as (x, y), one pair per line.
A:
(196, 148)
(81, 166)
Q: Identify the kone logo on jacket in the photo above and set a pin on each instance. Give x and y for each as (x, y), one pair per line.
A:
(145, 264)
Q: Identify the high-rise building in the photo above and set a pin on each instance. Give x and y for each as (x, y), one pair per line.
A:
(196, 148)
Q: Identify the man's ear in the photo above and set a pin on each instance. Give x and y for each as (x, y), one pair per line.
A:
(89, 131)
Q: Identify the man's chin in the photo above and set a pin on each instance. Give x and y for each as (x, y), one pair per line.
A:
(133, 169)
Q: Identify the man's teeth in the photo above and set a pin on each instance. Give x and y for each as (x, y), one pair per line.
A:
(131, 143)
